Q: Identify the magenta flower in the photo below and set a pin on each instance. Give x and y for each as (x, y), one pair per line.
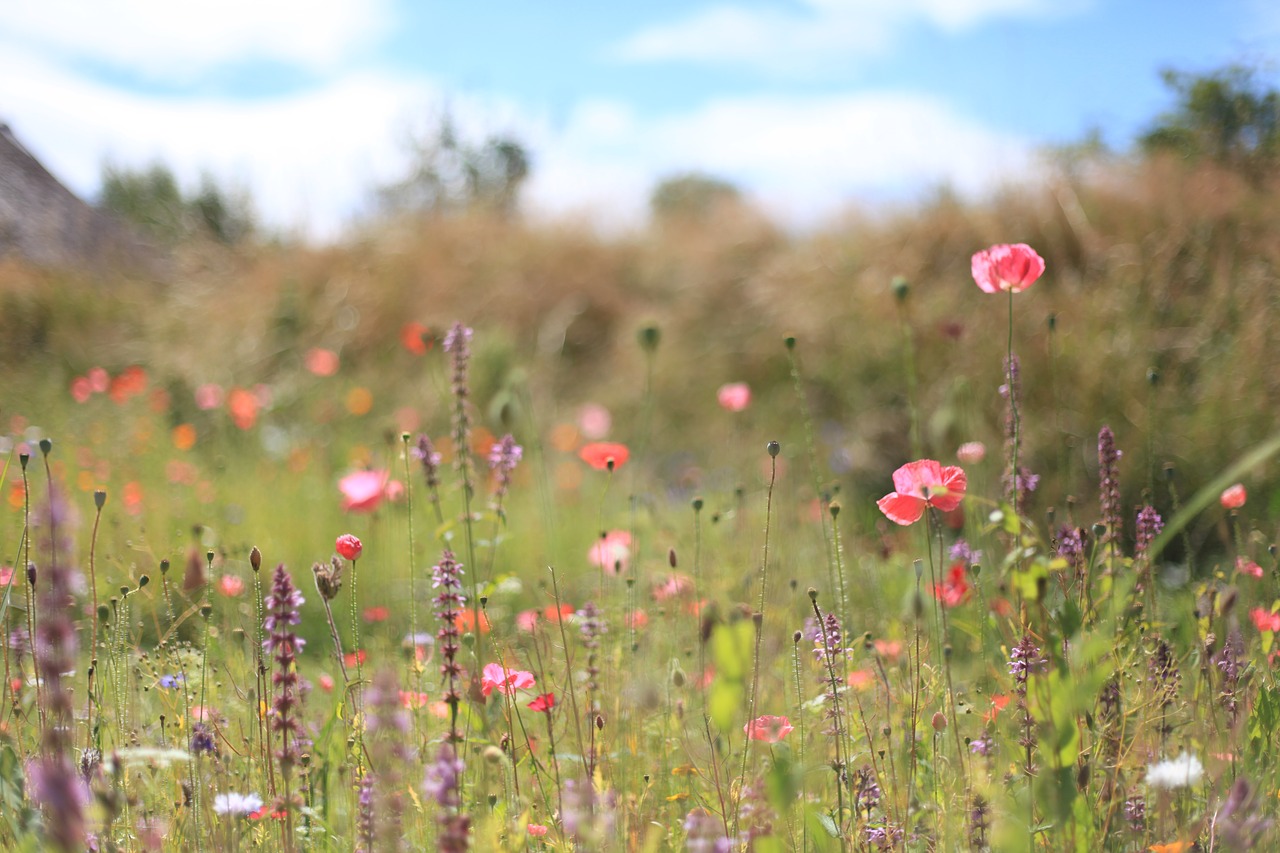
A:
(362, 491)
(1007, 267)
(504, 679)
(920, 484)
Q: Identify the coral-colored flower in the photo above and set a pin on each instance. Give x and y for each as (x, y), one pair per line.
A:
(376, 614)
(326, 682)
(362, 491)
(527, 620)
(559, 614)
(1233, 497)
(861, 679)
(768, 728)
(1265, 620)
(1248, 567)
(537, 830)
(954, 590)
(638, 620)
(1007, 267)
(545, 702)
(348, 546)
(230, 585)
(675, 586)
(504, 679)
(735, 396)
(998, 703)
(414, 337)
(612, 552)
(412, 700)
(1171, 847)
(357, 657)
(321, 362)
(99, 379)
(81, 390)
(920, 484)
(184, 436)
(890, 650)
(244, 408)
(466, 621)
(972, 452)
(605, 455)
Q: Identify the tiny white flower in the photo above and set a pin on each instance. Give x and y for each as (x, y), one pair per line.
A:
(236, 804)
(1180, 772)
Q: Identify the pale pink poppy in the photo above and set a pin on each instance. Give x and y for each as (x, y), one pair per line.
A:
(674, 586)
(1248, 567)
(527, 620)
(362, 491)
(594, 421)
(972, 452)
(735, 396)
(81, 390)
(920, 484)
(1006, 268)
(394, 491)
(322, 362)
(612, 552)
(1233, 497)
(209, 396)
(1265, 620)
(326, 682)
(99, 380)
(768, 728)
(230, 585)
(504, 679)
(537, 830)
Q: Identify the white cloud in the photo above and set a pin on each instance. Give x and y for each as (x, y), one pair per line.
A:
(167, 39)
(309, 159)
(826, 34)
(804, 159)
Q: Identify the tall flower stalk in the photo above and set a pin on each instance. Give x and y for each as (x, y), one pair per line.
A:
(283, 606)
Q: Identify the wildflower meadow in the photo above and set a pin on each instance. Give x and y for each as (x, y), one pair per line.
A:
(686, 600)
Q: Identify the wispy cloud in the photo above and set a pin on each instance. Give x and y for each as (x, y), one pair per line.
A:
(803, 159)
(821, 35)
(167, 39)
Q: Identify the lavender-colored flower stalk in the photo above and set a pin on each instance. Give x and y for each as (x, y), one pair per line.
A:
(1071, 547)
(962, 552)
(425, 452)
(282, 605)
(388, 728)
(1148, 527)
(443, 783)
(57, 786)
(447, 577)
(457, 342)
(1230, 661)
(364, 815)
(503, 458)
(1109, 489)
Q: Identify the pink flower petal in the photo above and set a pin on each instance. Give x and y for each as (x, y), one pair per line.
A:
(901, 509)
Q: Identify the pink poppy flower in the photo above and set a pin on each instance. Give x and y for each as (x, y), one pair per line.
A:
(321, 362)
(348, 546)
(594, 421)
(1007, 267)
(920, 484)
(1233, 497)
(504, 679)
(768, 728)
(209, 396)
(230, 585)
(972, 452)
(537, 830)
(1248, 567)
(675, 586)
(638, 620)
(735, 396)
(81, 390)
(527, 620)
(412, 700)
(362, 491)
(99, 380)
(326, 682)
(612, 552)
(1265, 620)
(244, 408)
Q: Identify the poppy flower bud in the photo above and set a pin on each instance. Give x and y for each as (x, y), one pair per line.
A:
(789, 342)
(23, 459)
(697, 504)
(46, 446)
(143, 580)
(939, 721)
(255, 558)
(774, 448)
(99, 498)
(649, 337)
(671, 557)
(349, 546)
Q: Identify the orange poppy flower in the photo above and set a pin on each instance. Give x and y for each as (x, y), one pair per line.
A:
(605, 455)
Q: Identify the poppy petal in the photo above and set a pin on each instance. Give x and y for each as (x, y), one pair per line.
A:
(901, 509)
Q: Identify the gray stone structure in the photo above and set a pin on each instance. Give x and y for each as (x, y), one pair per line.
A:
(44, 223)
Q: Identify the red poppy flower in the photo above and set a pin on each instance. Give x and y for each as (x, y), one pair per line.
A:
(1233, 497)
(504, 679)
(605, 455)
(998, 703)
(244, 408)
(1007, 268)
(955, 589)
(357, 657)
(768, 728)
(559, 614)
(1265, 620)
(414, 337)
(545, 702)
(920, 484)
(376, 614)
(348, 546)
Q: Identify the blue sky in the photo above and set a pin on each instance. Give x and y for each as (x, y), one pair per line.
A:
(809, 105)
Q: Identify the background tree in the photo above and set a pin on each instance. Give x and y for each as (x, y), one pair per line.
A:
(691, 195)
(152, 199)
